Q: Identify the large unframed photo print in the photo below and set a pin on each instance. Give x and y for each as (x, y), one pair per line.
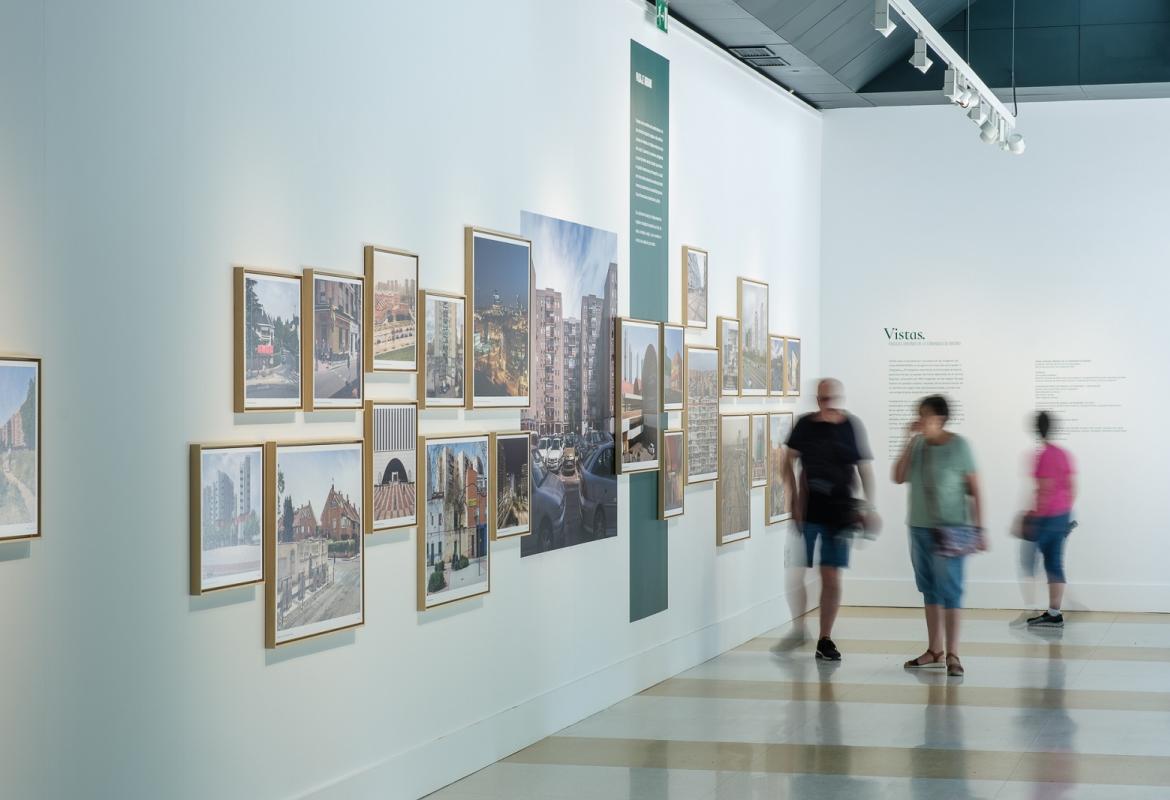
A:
(453, 559)
(20, 448)
(442, 376)
(639, 399)
(499, 283)
(727, 339)
(575, 302)
(334, 346)
(227, 516)
(391, 431)
(753, 338)
(733, 490)
(694, 264)
(391, 306)
(702, 410)
(313, 539)
(267, 340)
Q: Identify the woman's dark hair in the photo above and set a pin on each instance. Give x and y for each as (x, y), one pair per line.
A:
(1043, 424)
(937, 405)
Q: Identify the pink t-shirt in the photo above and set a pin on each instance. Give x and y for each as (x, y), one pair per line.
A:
(1055, 497)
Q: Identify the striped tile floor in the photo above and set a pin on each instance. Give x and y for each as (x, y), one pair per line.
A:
(1078, 714)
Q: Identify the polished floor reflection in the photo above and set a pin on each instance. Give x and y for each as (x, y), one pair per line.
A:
(1081, 713)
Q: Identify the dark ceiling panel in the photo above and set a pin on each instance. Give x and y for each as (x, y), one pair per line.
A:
(1113, 12)
(1125, 53)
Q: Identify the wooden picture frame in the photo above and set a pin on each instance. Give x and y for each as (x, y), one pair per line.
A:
(733, 492)
(673, 338)
(346, 323)
(522, 340)
(458, 360)
(201, 584)
(753, 326)
(702, 417)
(727, 343)
(275, 359)
(438, 511)
(792, 359)
(401, 463)
(779, 426)
(702, 258)
(305, 545)
(380, 259)
(632, 426)
(759, 450)
(523, 525)
(672, 482)
(776, 365)
(14, 442)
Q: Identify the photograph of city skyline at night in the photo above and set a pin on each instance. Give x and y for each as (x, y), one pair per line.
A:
(499, 276)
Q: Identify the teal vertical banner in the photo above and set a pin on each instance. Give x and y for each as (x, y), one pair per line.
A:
(649, 281)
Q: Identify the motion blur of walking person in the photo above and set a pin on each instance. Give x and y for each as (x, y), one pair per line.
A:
(946, 525)
(831, 446)
(1050, 521)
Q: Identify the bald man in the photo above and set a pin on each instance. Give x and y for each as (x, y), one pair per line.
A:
(833, 453)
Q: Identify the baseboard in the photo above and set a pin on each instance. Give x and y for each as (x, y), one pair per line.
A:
(431, 766)
(902, 593)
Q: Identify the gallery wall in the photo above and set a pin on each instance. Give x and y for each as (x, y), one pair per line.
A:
(148, 147)
(1001, 262)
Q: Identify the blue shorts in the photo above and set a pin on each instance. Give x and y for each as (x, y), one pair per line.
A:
(939, 579)
(1050, 535)
(834, 545)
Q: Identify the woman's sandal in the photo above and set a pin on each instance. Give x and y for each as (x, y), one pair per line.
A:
(954, 666)
(936, 660)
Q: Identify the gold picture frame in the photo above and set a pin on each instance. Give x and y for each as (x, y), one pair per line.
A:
(272, 583)
(792, 366)
(752, 323)
(370, 255)
(241, 404)
(730, 497)
(666, 475)
(727, 328)
(631, 426)
(423, 549)
(775, 460)
(309, 336)
(776, 365)
(667, 368)
(519, 529)
(759, 461)
(688, 320)
(198, 586)
(460, 360)
(473, 400)
(369, 469)
(707, 412)
(26, 532)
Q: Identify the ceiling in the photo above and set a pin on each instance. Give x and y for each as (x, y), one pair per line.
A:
(827, 52)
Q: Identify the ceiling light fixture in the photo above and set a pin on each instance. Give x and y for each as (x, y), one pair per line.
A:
(920, 60)
(883, 23)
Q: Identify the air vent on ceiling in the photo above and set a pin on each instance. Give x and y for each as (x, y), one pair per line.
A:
(773, 61)
(752, 51)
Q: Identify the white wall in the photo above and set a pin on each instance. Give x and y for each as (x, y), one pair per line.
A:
(181, 138)
(1059, 253)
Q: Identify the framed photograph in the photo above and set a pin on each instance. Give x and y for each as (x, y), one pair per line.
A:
(453, 557)
(20, 448)
(733, 490)
(694, 283)
(776, 501)
(753, 338)
(672, 475)
(313, 555)
(727, 339)
(499, 285)
(673, 344)
(391, 306)
(638, 396)
(759, 450)
(332, 357)
(227, 516)
(702, 410)
(511, 468)
(267, 341)
(573, 311)
(441, 370)
(391, 437)
(775, 365)
(792, 366)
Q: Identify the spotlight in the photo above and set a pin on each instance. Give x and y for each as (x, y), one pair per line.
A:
(883, 23)
(1016, 144)
(920, 60)
(978, 112)
(969, 97)
(989, 130)
(952, 88)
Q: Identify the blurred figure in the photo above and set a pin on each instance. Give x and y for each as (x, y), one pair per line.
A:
(944, 492)
(833, 452)
(1051, 519)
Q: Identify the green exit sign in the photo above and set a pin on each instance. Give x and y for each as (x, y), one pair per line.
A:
(660, 18)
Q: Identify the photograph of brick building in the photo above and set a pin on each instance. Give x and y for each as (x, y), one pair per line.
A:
(453, 541)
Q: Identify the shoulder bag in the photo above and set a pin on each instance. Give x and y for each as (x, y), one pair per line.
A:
(950, 541)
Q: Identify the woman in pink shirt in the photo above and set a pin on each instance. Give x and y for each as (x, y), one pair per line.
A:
(1052, 517)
